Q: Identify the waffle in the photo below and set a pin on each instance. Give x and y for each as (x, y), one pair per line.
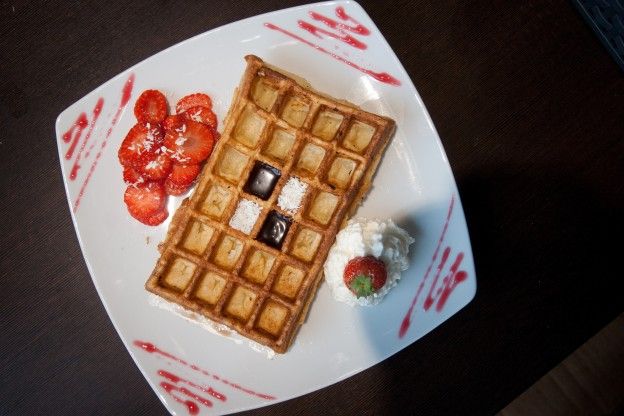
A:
(239, 250)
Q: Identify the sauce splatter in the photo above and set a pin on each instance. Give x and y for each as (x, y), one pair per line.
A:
(342, 32)
(126, 93)
(152, 349)
(451, 281)
(379, 76)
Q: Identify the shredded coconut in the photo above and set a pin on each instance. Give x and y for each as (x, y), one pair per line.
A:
(292, 193)
(180, 141)
(196, 116)
(179, 156)
(245, 216)
(152, 165)
(149, 138)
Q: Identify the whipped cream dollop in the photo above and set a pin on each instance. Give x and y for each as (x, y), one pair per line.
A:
(382, 239)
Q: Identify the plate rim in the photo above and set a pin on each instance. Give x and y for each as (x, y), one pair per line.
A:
(412, 91)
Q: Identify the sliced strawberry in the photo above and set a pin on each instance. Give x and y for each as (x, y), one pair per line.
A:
(201, 115)
(145, 199)
(151, 107)
(139, 140)
(184, 174)
(193, 100)
(132, 176)
(365, 275)
(173, 122)
(157, 218)
(174, 189)
(191, 143)
(156, 166)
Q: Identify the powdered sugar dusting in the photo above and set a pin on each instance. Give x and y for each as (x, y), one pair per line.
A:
(292, 194)
(245, 216)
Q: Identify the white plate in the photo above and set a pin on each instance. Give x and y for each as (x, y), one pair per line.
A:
(414, 186)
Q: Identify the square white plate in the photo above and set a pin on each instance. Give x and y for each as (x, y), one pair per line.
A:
(414, 186)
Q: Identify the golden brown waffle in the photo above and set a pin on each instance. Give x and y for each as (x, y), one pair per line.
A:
(246, 280)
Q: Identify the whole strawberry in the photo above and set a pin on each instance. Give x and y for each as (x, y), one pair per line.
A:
(365, 275)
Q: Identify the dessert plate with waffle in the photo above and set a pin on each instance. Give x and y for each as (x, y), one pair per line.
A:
(324, 156)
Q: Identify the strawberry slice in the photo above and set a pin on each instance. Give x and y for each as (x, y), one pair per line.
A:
(132, 176)
(157, 165)
(181, 178)
(193, 100)
(157, 218)
(365, 275)
(151, 107)
(201, 115)
(173, 122)
(174, 189)
(145, 200)
(191, 143)
(184, 174)
(139, 140)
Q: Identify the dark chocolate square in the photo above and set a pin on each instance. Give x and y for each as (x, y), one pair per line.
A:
(262, 180)
(274, 229)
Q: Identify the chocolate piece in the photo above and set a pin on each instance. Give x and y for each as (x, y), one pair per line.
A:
(274, 229)
(262, 180)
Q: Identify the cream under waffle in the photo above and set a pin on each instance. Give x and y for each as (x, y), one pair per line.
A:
(248, 247)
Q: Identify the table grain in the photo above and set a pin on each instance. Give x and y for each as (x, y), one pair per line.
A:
(529, 107)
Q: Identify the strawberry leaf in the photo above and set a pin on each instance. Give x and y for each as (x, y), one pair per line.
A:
(362, 286)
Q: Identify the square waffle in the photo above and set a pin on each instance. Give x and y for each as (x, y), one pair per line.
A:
(238, 254)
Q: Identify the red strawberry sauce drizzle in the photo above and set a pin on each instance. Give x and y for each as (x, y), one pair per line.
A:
(152, 349)
(449, 283)
(79, 125)
(96, 113)
(342, 36)
(340, 12)
(192, 408)
(126, 93)
(177, 379)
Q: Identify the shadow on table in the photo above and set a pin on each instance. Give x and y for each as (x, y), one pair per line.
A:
(546, 241)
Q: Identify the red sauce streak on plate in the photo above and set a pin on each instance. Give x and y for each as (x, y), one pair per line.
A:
(450, 282)
(96, 113)
(151, 348)
(192, 408)
(429, 299)
(126, 93)
(79, 125)
(177, 379)
(344, 37)
(408, 316)
(379, 76)
(340, 12)
(90, 149)
(169, 387)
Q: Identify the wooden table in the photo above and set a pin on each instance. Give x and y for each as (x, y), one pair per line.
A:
(530, 109)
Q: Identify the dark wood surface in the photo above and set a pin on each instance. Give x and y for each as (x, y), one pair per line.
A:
(588, 382)
(530, 109)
